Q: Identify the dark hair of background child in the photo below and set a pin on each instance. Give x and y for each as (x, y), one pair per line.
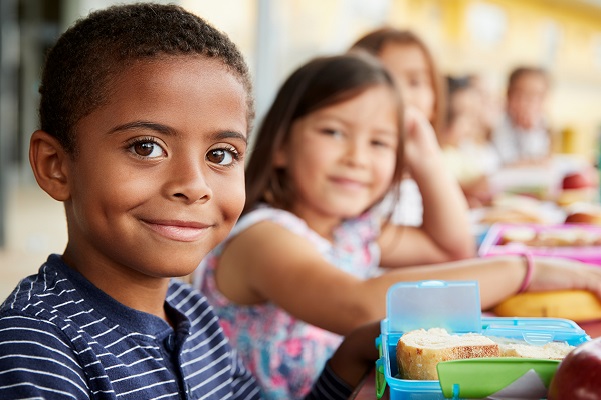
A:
(79, 68)
(521, 71)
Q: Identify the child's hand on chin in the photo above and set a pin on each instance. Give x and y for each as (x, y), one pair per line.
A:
(421, 143)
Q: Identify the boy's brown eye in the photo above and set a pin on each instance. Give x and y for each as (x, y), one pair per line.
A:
(216, 156)
(223, 157)
(144, 149)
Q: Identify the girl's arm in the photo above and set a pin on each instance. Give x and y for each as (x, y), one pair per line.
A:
(445, 231)
(267, 262)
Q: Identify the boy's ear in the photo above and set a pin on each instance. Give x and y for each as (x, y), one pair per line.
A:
(49, 161)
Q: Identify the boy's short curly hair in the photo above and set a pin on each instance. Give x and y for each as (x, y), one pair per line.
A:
(79, 68)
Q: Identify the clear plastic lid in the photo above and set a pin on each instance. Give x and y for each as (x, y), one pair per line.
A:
(454, 306)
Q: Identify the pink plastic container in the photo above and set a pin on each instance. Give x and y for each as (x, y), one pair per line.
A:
(575, 241)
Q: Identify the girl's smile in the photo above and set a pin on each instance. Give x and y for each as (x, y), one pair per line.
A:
(350, 184)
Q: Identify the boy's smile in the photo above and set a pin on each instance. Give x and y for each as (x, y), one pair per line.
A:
(183, 231)
(158, 179)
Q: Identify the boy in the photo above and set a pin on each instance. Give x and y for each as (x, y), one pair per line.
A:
(145, 111)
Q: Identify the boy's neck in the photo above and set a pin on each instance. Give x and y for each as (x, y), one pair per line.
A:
(134, 290)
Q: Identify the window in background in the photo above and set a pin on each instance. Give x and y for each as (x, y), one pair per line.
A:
(486, 23)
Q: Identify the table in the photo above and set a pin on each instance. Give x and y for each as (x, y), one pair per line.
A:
(367, 389)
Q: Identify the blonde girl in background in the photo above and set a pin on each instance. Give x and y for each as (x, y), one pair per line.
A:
(295, 273)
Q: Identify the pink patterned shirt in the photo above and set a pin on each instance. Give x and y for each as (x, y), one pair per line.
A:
(285, 354)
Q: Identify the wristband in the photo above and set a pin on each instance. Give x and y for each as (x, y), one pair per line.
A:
(529, 272)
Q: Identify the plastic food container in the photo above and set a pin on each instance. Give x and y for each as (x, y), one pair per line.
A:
(568, 240)
(455, 306)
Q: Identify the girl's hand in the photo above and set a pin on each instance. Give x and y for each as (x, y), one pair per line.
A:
(421, 143)
(561, 274)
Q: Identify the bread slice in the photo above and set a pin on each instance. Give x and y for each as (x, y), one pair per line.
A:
(419, 351)
(549, 351)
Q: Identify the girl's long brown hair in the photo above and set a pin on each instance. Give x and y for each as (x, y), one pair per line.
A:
(322, 82)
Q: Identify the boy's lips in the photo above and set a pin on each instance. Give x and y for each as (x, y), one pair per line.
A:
(181, 231)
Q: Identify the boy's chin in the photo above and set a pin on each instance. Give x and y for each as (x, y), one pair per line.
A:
(176, 267)
(182, 270)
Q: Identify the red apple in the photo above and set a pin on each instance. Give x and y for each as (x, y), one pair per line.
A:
(593, 218)
(578, 377)
(576, 180)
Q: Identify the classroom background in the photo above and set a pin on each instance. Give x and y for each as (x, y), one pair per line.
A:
(482, 37)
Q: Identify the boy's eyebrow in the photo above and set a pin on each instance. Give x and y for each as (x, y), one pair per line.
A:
(144, 125)
(166, 130)
(231, 135)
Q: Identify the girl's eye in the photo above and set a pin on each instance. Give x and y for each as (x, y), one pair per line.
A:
(384, 144)
(224, 157)
(147, 149)
(379, 143)
(333, 132)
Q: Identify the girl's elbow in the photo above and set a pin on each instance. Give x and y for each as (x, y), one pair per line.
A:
(466, 252)
(461, 251)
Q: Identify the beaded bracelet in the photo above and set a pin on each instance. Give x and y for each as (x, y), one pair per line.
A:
(529, 272)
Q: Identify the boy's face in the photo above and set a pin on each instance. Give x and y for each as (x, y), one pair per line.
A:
(159, 176)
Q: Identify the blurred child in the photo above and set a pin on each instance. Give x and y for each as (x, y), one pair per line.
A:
(522, 136)
(466, 151)
(145, 111)
(412, 66)
(294, 274)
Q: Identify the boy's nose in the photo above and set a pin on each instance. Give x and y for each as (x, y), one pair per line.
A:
(187, 181)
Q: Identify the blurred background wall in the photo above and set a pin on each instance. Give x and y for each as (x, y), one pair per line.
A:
(483, 37)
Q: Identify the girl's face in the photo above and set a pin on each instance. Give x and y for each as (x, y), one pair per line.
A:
(159, 177)
(341, 159)
(410, 69)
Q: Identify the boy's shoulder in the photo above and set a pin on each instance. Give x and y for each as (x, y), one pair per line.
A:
(55, 297)
(40, 303)
(37, 293)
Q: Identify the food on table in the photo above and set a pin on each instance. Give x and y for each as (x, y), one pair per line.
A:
(577, 187)
(513, 215)
(577, 180)
(575, 305)
(584, 217)
(578, 375)
(574, 237)
(519, 348)
(569, 197)
(419, 351)
(513, 209)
